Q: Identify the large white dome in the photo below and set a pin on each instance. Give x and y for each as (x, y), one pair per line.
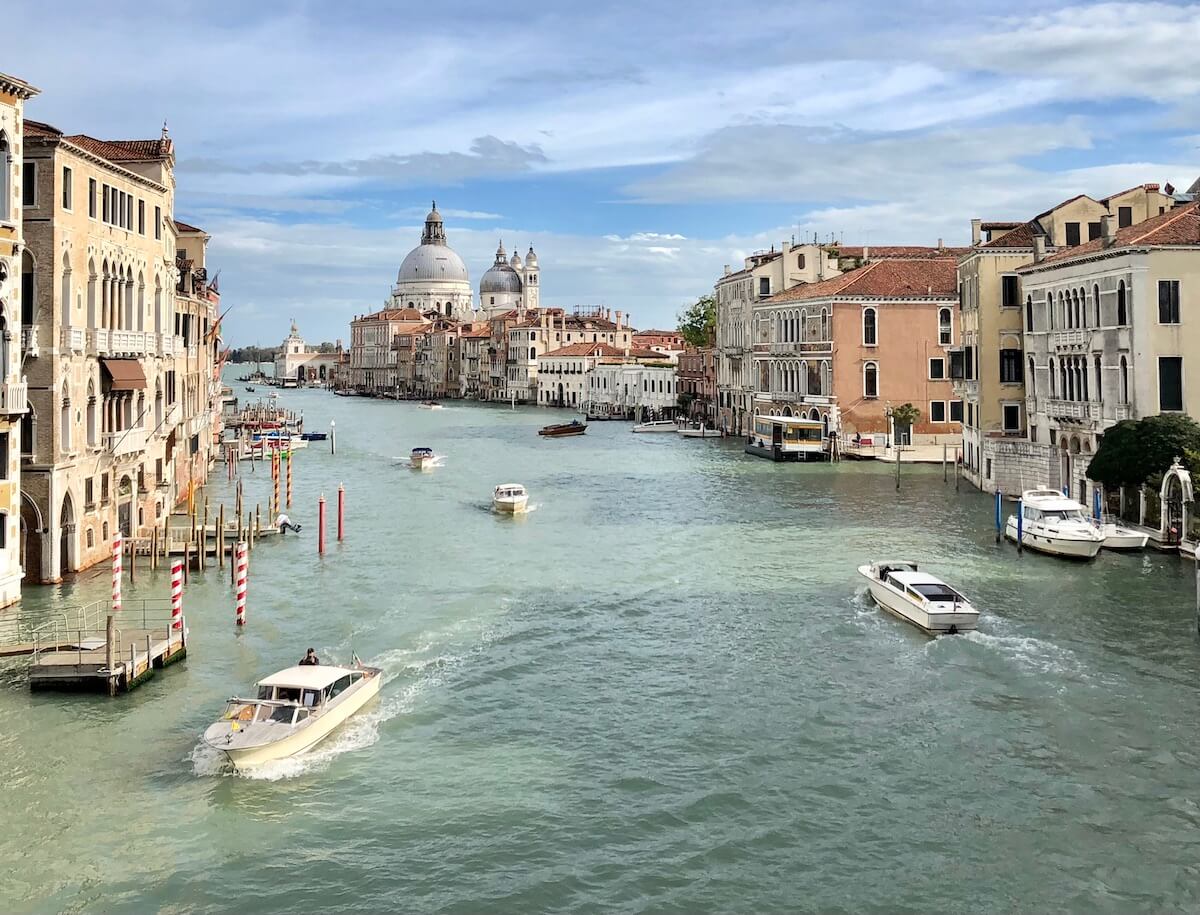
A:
(432, 262)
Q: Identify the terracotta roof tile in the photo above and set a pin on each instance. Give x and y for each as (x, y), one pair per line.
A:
(122, 150)
(32, 128)
(600, 349)
(182, 226)
(1179, 226)
(1020, 237)
(907, 252)
(996, 226)
(890, 278)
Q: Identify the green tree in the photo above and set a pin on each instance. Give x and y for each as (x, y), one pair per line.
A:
(1133, 451)
(698, 322)
(905, 416)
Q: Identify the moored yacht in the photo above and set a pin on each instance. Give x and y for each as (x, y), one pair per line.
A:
(917, 597)
(296, 708)
(1118, 537)
(699, 431)
(510, 498)
(1054, 524)
(657, 425)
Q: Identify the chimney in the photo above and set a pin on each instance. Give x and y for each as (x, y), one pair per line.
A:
(619, 316)
(941, 245)
(866, 253)
(1108, 231)
(976, 231)
(1039, 248)
(727, 270)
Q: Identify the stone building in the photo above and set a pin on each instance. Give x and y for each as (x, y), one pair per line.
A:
(698, 382)
(510, 284)
(635, 387)
(121, 373)
(564, 373)
(372, 347)
(533, 333)
(432, 277)
(17, 281)
(1111, 333)
(989, 364)
(299, 362)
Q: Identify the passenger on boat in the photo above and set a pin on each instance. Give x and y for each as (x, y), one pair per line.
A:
(310, 659)
(284, 523)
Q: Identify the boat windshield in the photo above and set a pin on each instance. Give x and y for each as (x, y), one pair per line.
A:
(936, 591)
(1063, 514)
(282, 714)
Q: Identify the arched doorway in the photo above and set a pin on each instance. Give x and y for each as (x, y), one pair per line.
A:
(67, 559)
(125, 506)
(32, 533)
(560, 394)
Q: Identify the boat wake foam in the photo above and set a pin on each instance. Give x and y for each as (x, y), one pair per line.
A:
(1032, 654)
(358, 733)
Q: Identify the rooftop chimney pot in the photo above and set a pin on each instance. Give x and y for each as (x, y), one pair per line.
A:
(976, 231)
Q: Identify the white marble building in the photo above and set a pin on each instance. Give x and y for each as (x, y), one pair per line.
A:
(432, 277)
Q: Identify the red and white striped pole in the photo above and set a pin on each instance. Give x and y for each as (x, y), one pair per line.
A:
(289, 478)
(116, 573)
(177, 595)
(242, 562)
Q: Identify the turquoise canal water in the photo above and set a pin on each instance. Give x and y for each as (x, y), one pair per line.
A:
(662, 691)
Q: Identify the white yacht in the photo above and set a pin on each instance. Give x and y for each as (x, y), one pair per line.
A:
(1055, 524)
(1118, 537)
(510, 498)
(924, 600)
(656, 425)
(296, 708)
(700, 431)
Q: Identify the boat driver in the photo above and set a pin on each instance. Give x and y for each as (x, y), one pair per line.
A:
(310, 659)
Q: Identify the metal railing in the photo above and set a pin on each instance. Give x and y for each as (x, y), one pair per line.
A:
(74, 628)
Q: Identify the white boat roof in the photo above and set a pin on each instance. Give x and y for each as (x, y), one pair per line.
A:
(308, 676)
(917, 578)
(1050, 500)
(510, 486)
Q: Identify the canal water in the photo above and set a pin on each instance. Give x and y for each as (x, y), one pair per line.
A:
(662, 691)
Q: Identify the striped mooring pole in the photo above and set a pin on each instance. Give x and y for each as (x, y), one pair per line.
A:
(275, 478)
(116, 573)
(288, 458)
(177, 595)
(242, 562)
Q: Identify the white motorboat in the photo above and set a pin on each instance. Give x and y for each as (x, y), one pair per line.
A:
(924, 600)
(422, 459)
(657, 425)
(700, 431)
(429, 405)
(510, 498)
(1119, 537)
(296, 708)
(1055, 524)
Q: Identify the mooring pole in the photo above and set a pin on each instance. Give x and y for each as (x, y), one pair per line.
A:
(321, 525)
(897, 467)
(1020, 525)
(341, 519)
(945, 467)
(999, 498)
(221, 536)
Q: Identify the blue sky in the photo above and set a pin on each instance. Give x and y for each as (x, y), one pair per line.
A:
(638, 146)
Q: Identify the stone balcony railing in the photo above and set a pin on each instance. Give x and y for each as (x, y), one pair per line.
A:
(1070, 339)
(14, 397)
(801, 347)
(170, 420)
(29, 341)
(98, 341)
(166, 344)
(131, 342)
(74, 339)
(127, 441)
(965, 387)
(1070, 409)
(1122, 411)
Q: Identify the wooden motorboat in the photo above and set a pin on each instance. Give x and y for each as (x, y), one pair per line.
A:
(559, 430)
(296, 708)
(916, 597)
(1053, 524)
(657, 425)
(510, 498)
(429, 405)
(314, 436)
(422, 459)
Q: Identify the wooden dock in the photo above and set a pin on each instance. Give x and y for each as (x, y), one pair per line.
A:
(88, 652)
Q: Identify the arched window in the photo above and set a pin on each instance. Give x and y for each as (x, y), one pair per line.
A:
(5, 185)
(65, 291)
(64, 419)
(532, 353)
(826, 384)
(1099, 381)
(1029, 314)
(91, 295)
(1122, 309)
(28, 431)
(93, 432)
(945, 327)
(1029, 378)
(1124, 381)
(870, 332)
(1053, 380)
(28, 287)
(824, 324)
(1050, 317)
(1096, 304)
(871, 379)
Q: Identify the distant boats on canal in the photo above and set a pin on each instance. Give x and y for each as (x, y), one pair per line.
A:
(657, 425)
(560, 430)
(917, 597)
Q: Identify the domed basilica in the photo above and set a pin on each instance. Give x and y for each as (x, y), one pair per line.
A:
(433, 277)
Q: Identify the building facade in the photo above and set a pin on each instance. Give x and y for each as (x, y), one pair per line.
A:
(633, 390)
(299, 362)
(372, 347)
(17, 281)
(698, 382)
(432, 277)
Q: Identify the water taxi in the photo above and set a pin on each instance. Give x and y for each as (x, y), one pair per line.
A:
(916, 597)
(787, 438)
(422, 459)
(657, 425)
(510, 498)
(296, 708)
(559, 430)
(700, 431)
(429, 405)
(1053, 524)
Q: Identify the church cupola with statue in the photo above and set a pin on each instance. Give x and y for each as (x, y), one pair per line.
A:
(509, 284)
(432, 277)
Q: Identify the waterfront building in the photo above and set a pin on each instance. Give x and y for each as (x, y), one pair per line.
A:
(17, 281)
(639, 387)
(764, 274)
(698, 382)
(846, 350)
(373, 357)
(121, 360)
(432, 277)
(436, 359)
(510, 284)
(548, 329)
(1111, 333)
(564, 373)
(667, 343)
(300, 362)
(473, 359)
(989, 364)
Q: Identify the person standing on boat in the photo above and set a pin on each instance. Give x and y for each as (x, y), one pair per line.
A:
(284, 523)
(310, 659)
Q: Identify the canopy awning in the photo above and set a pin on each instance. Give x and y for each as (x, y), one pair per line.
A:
(124, 374)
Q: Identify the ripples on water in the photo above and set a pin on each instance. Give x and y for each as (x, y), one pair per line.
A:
(665, 690)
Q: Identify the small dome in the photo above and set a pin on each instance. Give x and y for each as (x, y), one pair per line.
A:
(515, 263)
(531, 258)
(432, 262)
(500, 279)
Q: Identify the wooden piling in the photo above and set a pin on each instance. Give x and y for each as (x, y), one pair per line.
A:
(187, 561)
(132, 562)
(221, 536)
(154, 547)
(204, 537)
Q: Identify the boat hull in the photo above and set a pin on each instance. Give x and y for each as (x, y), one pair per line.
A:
(304, 739)
(1066, 547)
(422, 463)
(931, 622)
(656, 427)
(511, 506)
(563, 431)
(1121, 538)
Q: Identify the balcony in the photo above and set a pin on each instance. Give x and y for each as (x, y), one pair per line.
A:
(98, 341)
(127, 441)
(801, 347)
(1079, 410)
(1122, 411)
(74, 339)
(170, 420)
(14, 398)
(166, 345)
(131, 342)
(1070, 339)
(29, 341)
(967, 388)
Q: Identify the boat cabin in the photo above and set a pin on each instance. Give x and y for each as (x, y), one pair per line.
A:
(422, 452)
(292, 695)
(1049, 506)
(509, 491)
(787, 438)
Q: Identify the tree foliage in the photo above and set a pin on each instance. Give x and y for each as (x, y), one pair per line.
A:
(1133, 451)
(698, 322)
(905, 415)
